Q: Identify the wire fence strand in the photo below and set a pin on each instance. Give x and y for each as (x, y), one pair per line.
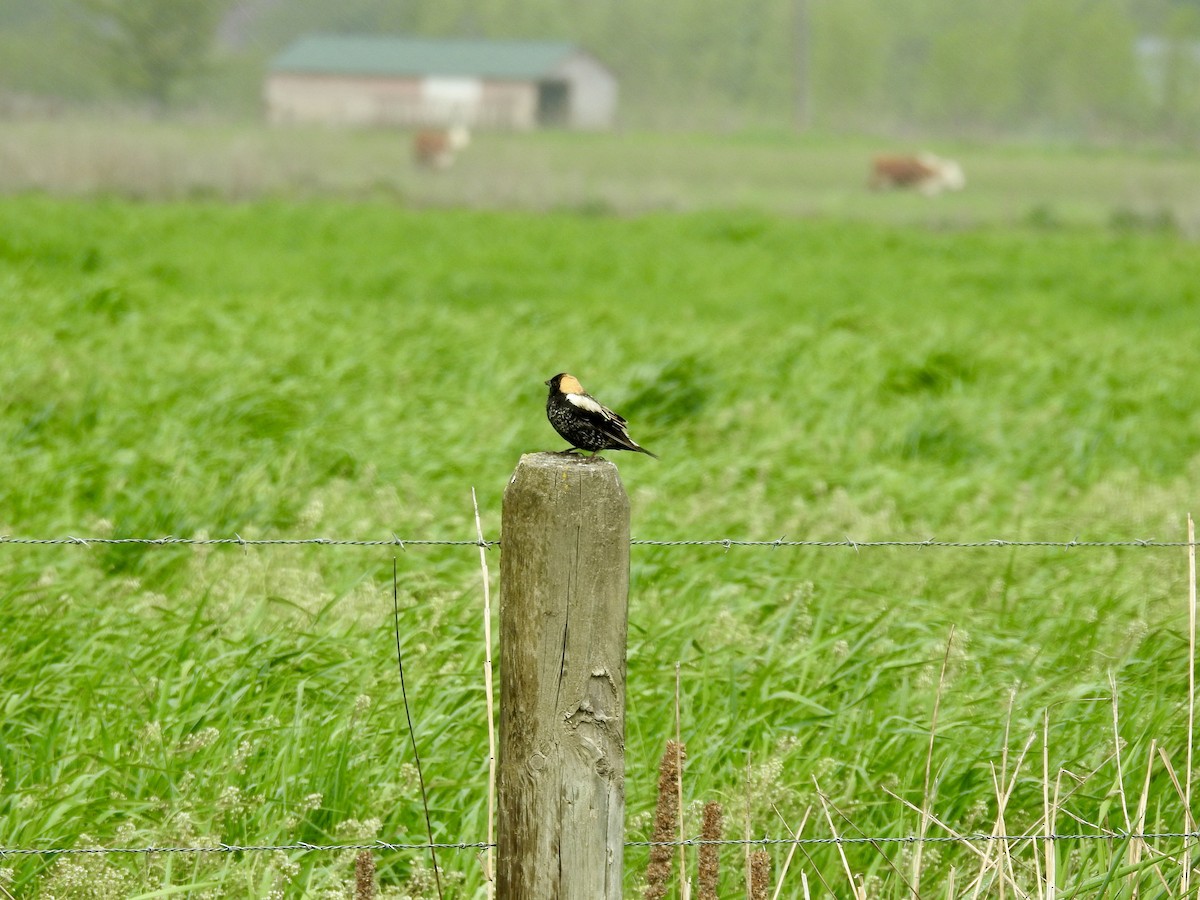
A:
(297, 846)
(306, 847)
(239, 541)
(725, 543)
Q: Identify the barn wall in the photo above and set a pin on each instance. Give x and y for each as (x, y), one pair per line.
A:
(593, 92)
(342, 101)
(508, 104)
(354, 100)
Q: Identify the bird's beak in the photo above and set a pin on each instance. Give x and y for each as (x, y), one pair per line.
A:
(546, 383)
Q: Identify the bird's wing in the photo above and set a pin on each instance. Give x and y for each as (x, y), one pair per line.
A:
(604, 419)
(601, 413)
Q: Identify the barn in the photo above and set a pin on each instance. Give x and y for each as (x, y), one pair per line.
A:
(406, 81)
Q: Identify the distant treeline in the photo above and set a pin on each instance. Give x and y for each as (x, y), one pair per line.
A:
(1081, 69)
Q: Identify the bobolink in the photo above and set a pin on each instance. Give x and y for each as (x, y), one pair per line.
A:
(587, 425)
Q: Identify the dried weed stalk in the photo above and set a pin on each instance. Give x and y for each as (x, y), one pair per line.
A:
(760, 875)
(666, 816)
(710, 830)
(364, 876)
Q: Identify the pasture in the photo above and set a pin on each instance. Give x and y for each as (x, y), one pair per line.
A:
(296, 367)
(622, 172)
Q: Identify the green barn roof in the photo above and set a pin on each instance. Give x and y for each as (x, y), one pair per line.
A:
(375, 55)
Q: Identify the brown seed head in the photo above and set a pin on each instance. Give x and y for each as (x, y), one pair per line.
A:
(666, 818)
(364, 876)
(710, 863)
(760, 874)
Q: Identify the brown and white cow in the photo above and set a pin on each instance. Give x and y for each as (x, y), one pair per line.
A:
(925, 172)
(437, 148)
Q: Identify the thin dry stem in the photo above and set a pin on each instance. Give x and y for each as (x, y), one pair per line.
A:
(746, 827)
(1178, 790)
(685, 885)
(1003, 861)
(1001, 824)
(412, 732)
(926, 799)
(1080, 781)
(968, 844)
(1005, 855)
(1141, 816)
(1012, 700)
(1056, 806)
(787, 862)
(858, 895)
(1049, 844)
(710, 857)
(666, 815)
(986, 863)
(1186, 864)
(886, 859)
(1175, 781)
(1116, 721)
(1052, 828)
(489, 863)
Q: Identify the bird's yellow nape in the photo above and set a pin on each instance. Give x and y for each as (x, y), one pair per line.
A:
(570, 385)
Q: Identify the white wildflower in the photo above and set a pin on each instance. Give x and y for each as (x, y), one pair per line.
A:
(311, 515)
(231, 799)
(311, 802)
(198, 740)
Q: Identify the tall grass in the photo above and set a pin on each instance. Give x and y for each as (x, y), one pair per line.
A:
(353, 370)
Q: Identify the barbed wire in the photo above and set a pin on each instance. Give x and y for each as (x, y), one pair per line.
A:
(306, 847)
(239, 541)
(978, 838)
(929, 542)
(726, 543)
(303, 846)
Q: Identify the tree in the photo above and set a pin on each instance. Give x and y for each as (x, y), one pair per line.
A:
(847, 65)
(147, 46)
(1100, 68)
(1177, 71)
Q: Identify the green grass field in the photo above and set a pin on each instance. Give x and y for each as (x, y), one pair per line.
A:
(352, 369)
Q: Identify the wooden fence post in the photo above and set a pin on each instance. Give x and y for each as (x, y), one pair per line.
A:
(564, 590)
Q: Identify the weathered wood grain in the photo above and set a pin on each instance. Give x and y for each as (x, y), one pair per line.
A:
(564, 585)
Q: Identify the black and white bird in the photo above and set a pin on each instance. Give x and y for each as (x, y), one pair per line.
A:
(584, 421)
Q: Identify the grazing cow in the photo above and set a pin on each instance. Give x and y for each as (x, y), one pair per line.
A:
(436, 148)
(927, 173)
